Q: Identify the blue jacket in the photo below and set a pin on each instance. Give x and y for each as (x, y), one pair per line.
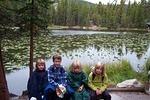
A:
(56, 76)
(36, 84)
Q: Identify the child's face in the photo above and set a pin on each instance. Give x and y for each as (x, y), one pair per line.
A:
(57, 62)
(76, 69)
(40, 66)
(98, 70)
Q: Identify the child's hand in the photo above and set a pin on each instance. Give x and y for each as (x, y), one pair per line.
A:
(98, 91)
(58, 91)
(80, 88)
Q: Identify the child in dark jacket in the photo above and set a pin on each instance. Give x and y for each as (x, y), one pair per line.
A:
(57, 81)
(37, 81)
(78, 82)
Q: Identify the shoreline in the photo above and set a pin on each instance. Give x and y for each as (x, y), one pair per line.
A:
(97, 29)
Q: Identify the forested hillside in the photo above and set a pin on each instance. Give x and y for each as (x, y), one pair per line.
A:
(76, 12)
(79, 12)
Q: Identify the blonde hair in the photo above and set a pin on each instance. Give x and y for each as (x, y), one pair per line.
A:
(99, 65)
(40, 61)
(75, 63)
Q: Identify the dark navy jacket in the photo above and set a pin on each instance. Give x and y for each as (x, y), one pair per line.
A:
(37, 83)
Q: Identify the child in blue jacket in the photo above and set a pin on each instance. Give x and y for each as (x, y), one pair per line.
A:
(37, 81)
(57, 81)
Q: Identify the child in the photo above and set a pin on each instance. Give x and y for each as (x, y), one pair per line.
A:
(37, 81)
(98, 83)
(57, 81)
(78, 82)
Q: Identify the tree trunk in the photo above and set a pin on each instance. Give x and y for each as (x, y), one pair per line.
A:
(4, 94)
(31, 38)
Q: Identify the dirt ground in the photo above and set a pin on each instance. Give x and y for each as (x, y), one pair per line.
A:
(114, 95)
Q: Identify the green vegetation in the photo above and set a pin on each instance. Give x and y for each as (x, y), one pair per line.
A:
(120, 71)
(34, 16)
(112, 15)
(68, 13)
(16, 52)
(74, 13)
(147, 65)
(145, 71)
(18, 13)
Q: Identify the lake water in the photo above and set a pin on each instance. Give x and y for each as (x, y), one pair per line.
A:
(87, 46)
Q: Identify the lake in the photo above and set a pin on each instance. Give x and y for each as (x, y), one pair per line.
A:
(87, 46)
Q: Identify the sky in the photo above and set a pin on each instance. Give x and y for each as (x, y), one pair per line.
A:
(110, 1)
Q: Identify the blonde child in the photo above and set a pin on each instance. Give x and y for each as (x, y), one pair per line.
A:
(37, 81)
(77, 80)
(98, 83)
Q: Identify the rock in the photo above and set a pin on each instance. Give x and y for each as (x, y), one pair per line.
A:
(12, 95)
(25, 92)
(130, 83)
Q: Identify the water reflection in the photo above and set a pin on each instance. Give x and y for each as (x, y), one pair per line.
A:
(78, 32)
(17, 81)
(88, 56)
(87, 46)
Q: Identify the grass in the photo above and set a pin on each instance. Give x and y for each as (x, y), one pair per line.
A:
(120, 71)
(146, 69)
